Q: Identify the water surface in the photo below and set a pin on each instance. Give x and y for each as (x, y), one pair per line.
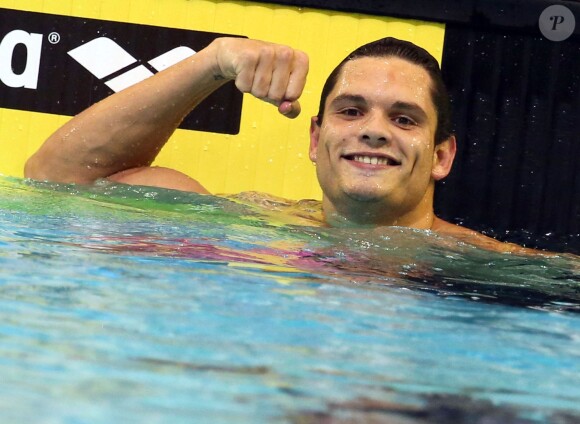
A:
(131, 304)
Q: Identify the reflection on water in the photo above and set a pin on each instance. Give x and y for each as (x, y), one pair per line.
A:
(140, 304)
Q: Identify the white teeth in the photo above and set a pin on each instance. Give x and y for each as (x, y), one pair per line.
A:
(371, 160)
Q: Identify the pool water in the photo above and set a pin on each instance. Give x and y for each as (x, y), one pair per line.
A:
(132, 304)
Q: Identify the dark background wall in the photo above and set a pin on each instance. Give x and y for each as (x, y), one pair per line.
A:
(516, 106)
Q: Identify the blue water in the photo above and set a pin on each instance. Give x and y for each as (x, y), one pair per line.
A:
(124, 304)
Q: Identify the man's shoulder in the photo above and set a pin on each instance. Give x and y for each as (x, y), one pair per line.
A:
(478, 239)
(157, 176)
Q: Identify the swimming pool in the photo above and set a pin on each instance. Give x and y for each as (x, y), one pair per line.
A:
(130, 304)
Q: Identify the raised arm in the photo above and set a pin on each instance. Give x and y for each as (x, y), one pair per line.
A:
(119, 137)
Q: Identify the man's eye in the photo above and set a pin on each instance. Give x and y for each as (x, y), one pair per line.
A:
(350, 112)
(405, 121)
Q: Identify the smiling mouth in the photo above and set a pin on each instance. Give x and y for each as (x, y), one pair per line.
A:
(373, 160)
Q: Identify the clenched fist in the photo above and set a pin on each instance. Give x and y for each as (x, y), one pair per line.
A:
(271, 72)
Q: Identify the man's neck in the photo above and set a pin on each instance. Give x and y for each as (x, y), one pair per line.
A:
(365, 215)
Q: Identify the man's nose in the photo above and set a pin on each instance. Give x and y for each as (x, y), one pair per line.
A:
(375, 131)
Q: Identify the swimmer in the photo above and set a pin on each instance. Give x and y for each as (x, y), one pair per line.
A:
(380, 140)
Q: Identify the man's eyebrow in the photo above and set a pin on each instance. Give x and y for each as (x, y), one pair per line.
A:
(348, 98)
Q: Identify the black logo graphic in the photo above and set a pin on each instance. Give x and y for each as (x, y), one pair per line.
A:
(61, 65)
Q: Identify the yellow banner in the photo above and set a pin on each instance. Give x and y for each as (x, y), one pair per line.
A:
(270, 152)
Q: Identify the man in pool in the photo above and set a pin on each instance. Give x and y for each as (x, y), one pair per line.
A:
(380, 141)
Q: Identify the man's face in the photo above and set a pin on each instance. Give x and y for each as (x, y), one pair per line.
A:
(375, 146)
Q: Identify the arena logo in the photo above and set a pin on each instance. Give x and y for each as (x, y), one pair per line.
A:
(61, 64)
(28, 78)
(103, 57)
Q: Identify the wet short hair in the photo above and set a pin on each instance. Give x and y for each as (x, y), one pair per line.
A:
(412, 53)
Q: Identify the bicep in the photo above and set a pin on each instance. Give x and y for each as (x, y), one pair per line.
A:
(154, 176)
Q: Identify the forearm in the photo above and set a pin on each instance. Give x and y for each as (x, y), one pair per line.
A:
(127, 129)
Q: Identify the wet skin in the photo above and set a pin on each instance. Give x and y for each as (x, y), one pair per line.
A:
(375, 151)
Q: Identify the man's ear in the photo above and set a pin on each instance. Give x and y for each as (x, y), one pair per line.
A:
(314, 134)
(443, 158)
